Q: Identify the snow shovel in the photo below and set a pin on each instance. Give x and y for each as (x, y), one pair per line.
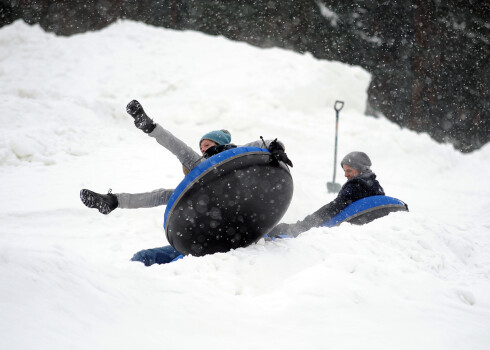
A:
(334, 187)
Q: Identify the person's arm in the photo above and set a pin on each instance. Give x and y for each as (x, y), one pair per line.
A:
(348, 194)
(260, 143)
(319, 217)
(275, 147)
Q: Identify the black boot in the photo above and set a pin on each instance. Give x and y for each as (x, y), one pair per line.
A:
(141, 120)
(104, 202)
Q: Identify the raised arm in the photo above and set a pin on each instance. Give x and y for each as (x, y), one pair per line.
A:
(276, 148)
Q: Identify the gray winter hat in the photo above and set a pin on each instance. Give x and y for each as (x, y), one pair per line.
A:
(357, 160)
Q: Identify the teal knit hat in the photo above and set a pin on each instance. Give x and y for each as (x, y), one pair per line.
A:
(221, 137)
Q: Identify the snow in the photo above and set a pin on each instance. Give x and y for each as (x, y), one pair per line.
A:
(418, 280)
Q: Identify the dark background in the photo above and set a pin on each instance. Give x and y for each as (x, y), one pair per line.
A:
(428, 58)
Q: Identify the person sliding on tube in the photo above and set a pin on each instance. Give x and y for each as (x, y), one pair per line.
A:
(361, 183)
(210, 144)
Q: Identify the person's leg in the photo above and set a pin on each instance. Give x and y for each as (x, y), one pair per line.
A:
(162, 255)
(144, 200)
(106, 203)
(186, 155)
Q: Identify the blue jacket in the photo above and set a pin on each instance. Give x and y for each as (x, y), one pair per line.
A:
(361, 186)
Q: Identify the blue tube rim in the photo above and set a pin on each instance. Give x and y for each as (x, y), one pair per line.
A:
(364, 206)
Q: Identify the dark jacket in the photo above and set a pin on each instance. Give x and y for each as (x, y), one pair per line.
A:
(361, 186)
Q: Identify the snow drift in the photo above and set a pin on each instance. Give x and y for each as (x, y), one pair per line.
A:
(417, 280)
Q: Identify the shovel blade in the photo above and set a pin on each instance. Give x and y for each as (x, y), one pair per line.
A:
(333, 187)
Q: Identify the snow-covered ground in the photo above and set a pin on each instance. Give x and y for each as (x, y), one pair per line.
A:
(418, 280)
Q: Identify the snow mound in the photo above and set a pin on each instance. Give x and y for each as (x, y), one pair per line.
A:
(417, 280)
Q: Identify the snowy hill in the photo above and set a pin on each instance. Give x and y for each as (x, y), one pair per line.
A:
(408, 281)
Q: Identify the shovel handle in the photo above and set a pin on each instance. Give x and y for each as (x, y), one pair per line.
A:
(338, 106)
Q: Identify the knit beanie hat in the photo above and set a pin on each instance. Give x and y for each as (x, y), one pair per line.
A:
(357, 160)
(221, 137)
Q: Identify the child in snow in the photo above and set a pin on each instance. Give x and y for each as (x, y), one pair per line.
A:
(211, 143)
(361, 183)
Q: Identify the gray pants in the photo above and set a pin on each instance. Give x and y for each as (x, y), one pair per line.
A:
(143, 200)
